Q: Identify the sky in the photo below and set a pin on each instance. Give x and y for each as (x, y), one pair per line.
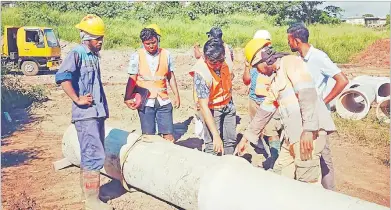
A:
(380, 9)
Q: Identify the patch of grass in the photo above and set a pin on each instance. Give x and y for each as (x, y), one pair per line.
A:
(369, 132)
(341, 42)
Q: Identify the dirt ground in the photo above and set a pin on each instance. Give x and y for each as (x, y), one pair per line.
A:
(30, 182)
(377, 54)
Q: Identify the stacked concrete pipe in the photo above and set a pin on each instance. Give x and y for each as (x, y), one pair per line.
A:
(355, 101)
(383, 111)
(381, 85)
(192, 179)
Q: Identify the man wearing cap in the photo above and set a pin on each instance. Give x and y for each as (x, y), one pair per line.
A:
(321, 68)
(150, 68)
(304, 114)
(216, 32)
(213, 88)
(252, 77)
(80, 78)
(157, 30)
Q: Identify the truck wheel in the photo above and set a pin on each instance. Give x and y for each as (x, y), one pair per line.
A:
(30, 68)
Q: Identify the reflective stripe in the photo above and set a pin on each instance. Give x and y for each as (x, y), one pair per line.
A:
(151, 78)
(303, 85)
(286, 93)
(287, 101)
(158, 89)
(268, 107)
(156, 84)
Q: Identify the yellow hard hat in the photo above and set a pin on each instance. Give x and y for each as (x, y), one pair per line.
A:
(156, 28)
(92, 24)
(253, 46)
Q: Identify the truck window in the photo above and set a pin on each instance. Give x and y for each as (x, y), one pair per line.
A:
(35, 37)
(51, 38)
(32, 36)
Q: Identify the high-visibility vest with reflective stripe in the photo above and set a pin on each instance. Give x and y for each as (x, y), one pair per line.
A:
(279, 87)
(220, 87)
(291, 77)
(156, 84)
(262, 86)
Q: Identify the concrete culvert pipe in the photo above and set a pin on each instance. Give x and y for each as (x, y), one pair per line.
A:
(192, 179)
(383, 92)
(383, 111)
(354, 103)
(330, 85)
(381, 85)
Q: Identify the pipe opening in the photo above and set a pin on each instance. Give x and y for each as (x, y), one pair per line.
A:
(353, 102)
(384, 90)
(383, 111)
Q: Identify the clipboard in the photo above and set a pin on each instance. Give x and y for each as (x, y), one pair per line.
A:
(144, 96)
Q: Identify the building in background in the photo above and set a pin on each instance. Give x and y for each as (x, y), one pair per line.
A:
(375, 21)
(8, 3)
(354, 20)
(366, 21)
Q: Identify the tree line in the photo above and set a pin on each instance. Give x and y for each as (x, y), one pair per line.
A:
(283, 13)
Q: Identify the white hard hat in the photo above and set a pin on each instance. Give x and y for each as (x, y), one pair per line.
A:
(262, 34)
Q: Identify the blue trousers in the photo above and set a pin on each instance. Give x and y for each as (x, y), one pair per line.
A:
(91, 135)
(160, 115)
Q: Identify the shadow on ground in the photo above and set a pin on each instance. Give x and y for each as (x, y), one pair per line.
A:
(18, 157)
(192, 143)
(111, 190)
(16, 120)
(238, 119)
(181, 128)
(41, 72)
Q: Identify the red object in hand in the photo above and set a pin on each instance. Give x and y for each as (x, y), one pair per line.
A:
(136, 97)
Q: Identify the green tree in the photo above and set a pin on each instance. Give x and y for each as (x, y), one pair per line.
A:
(368, 15)
(309, 13)
(280, 11)
(333, 11)
(306, 11)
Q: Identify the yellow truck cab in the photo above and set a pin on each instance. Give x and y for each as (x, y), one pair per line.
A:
(30, 49)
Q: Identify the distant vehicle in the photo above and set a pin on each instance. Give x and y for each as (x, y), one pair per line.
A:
(30, 49)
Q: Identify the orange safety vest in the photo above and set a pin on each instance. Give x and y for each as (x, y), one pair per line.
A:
(156, 84)
(220, 87)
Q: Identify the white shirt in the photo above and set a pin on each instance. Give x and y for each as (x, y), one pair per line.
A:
(321, 68)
